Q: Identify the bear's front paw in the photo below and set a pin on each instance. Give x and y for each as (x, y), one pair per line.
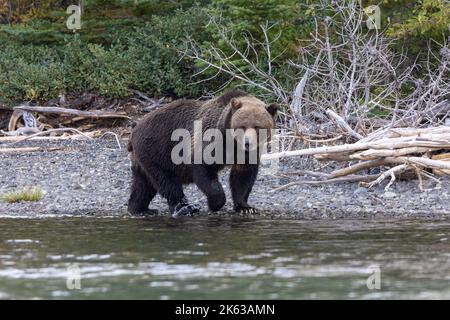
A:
(246, 210)
(216, 202)
(185, 209)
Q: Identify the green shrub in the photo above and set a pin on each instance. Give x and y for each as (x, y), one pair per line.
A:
(29, 73)
(145, 58)
(289, 20)
(415, 22)
(135, 44)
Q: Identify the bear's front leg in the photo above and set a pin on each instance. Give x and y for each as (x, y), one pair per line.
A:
(205, 177)
(242, 178)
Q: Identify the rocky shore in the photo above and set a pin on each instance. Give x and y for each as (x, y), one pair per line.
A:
(91, 178)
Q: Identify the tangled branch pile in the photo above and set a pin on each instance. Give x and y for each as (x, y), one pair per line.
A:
(425, 151)
(359, 73)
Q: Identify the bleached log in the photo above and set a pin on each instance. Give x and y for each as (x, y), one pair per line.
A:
(74, 112)
(423, 162)
(357, 167)
(382, 153)
(352, 178)
(70, 137)
(344, 156)
(431, 141)
(404, 132)
(391, 172)
(313, 151)
(344, 125)
(443, 157)
(31, 149)
(50, 131)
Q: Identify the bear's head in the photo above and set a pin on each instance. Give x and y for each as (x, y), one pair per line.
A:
(252, 121)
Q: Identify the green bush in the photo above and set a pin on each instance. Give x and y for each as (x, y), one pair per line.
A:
(144, 58)
(414, 23)
(157, 45)
(135, 44)
(289, 21)
(29, 73)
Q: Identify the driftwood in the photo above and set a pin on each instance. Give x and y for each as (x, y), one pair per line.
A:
(437, 141)
(20, 139)
(97, 114)
(422, 151)
(333, 115)
(68, 137)
(390, 173)
(376, 154)
(442, 156)
(351, 178)
(357, 168)
(46, 123)
(33, 149)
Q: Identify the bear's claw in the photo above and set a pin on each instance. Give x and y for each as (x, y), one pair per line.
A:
(247, 210)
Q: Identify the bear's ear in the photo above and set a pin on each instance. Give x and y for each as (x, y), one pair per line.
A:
(272, 109)
(235, 104)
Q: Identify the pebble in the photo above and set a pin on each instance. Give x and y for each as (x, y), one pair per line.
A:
(389, 194)
(94, 180)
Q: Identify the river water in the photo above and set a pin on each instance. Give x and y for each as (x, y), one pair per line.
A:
(223, 257)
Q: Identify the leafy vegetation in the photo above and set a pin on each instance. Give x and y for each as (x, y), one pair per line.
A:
(144, 58)
(136, 44)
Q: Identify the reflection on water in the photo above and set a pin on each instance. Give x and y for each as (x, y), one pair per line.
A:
(222, 257)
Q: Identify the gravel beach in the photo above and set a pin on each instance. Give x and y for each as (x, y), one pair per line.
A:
(91, 178)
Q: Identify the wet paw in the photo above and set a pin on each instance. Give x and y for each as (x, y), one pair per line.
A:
(184, 209)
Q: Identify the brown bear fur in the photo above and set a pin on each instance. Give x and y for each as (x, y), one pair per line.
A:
(150, 145)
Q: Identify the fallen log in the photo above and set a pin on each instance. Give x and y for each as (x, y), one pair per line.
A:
(344, 125)
(390, 173)
(429, 141)
(20, 139)
(79, 113)
(443, 157)
(33, 149)
(354, 178)
(69, 137)
(404, 132)
(423, 162)
(422, 151)
(371, 154)
(358, 167)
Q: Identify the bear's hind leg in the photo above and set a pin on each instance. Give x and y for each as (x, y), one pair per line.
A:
(170, 187)
(242, 179)
(142, 192)
(207, 180)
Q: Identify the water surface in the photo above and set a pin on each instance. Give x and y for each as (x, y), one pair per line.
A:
(223, 257)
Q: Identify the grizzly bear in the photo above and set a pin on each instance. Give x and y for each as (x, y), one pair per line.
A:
(151, 145)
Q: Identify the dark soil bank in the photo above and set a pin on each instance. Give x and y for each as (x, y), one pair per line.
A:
(92, 178)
